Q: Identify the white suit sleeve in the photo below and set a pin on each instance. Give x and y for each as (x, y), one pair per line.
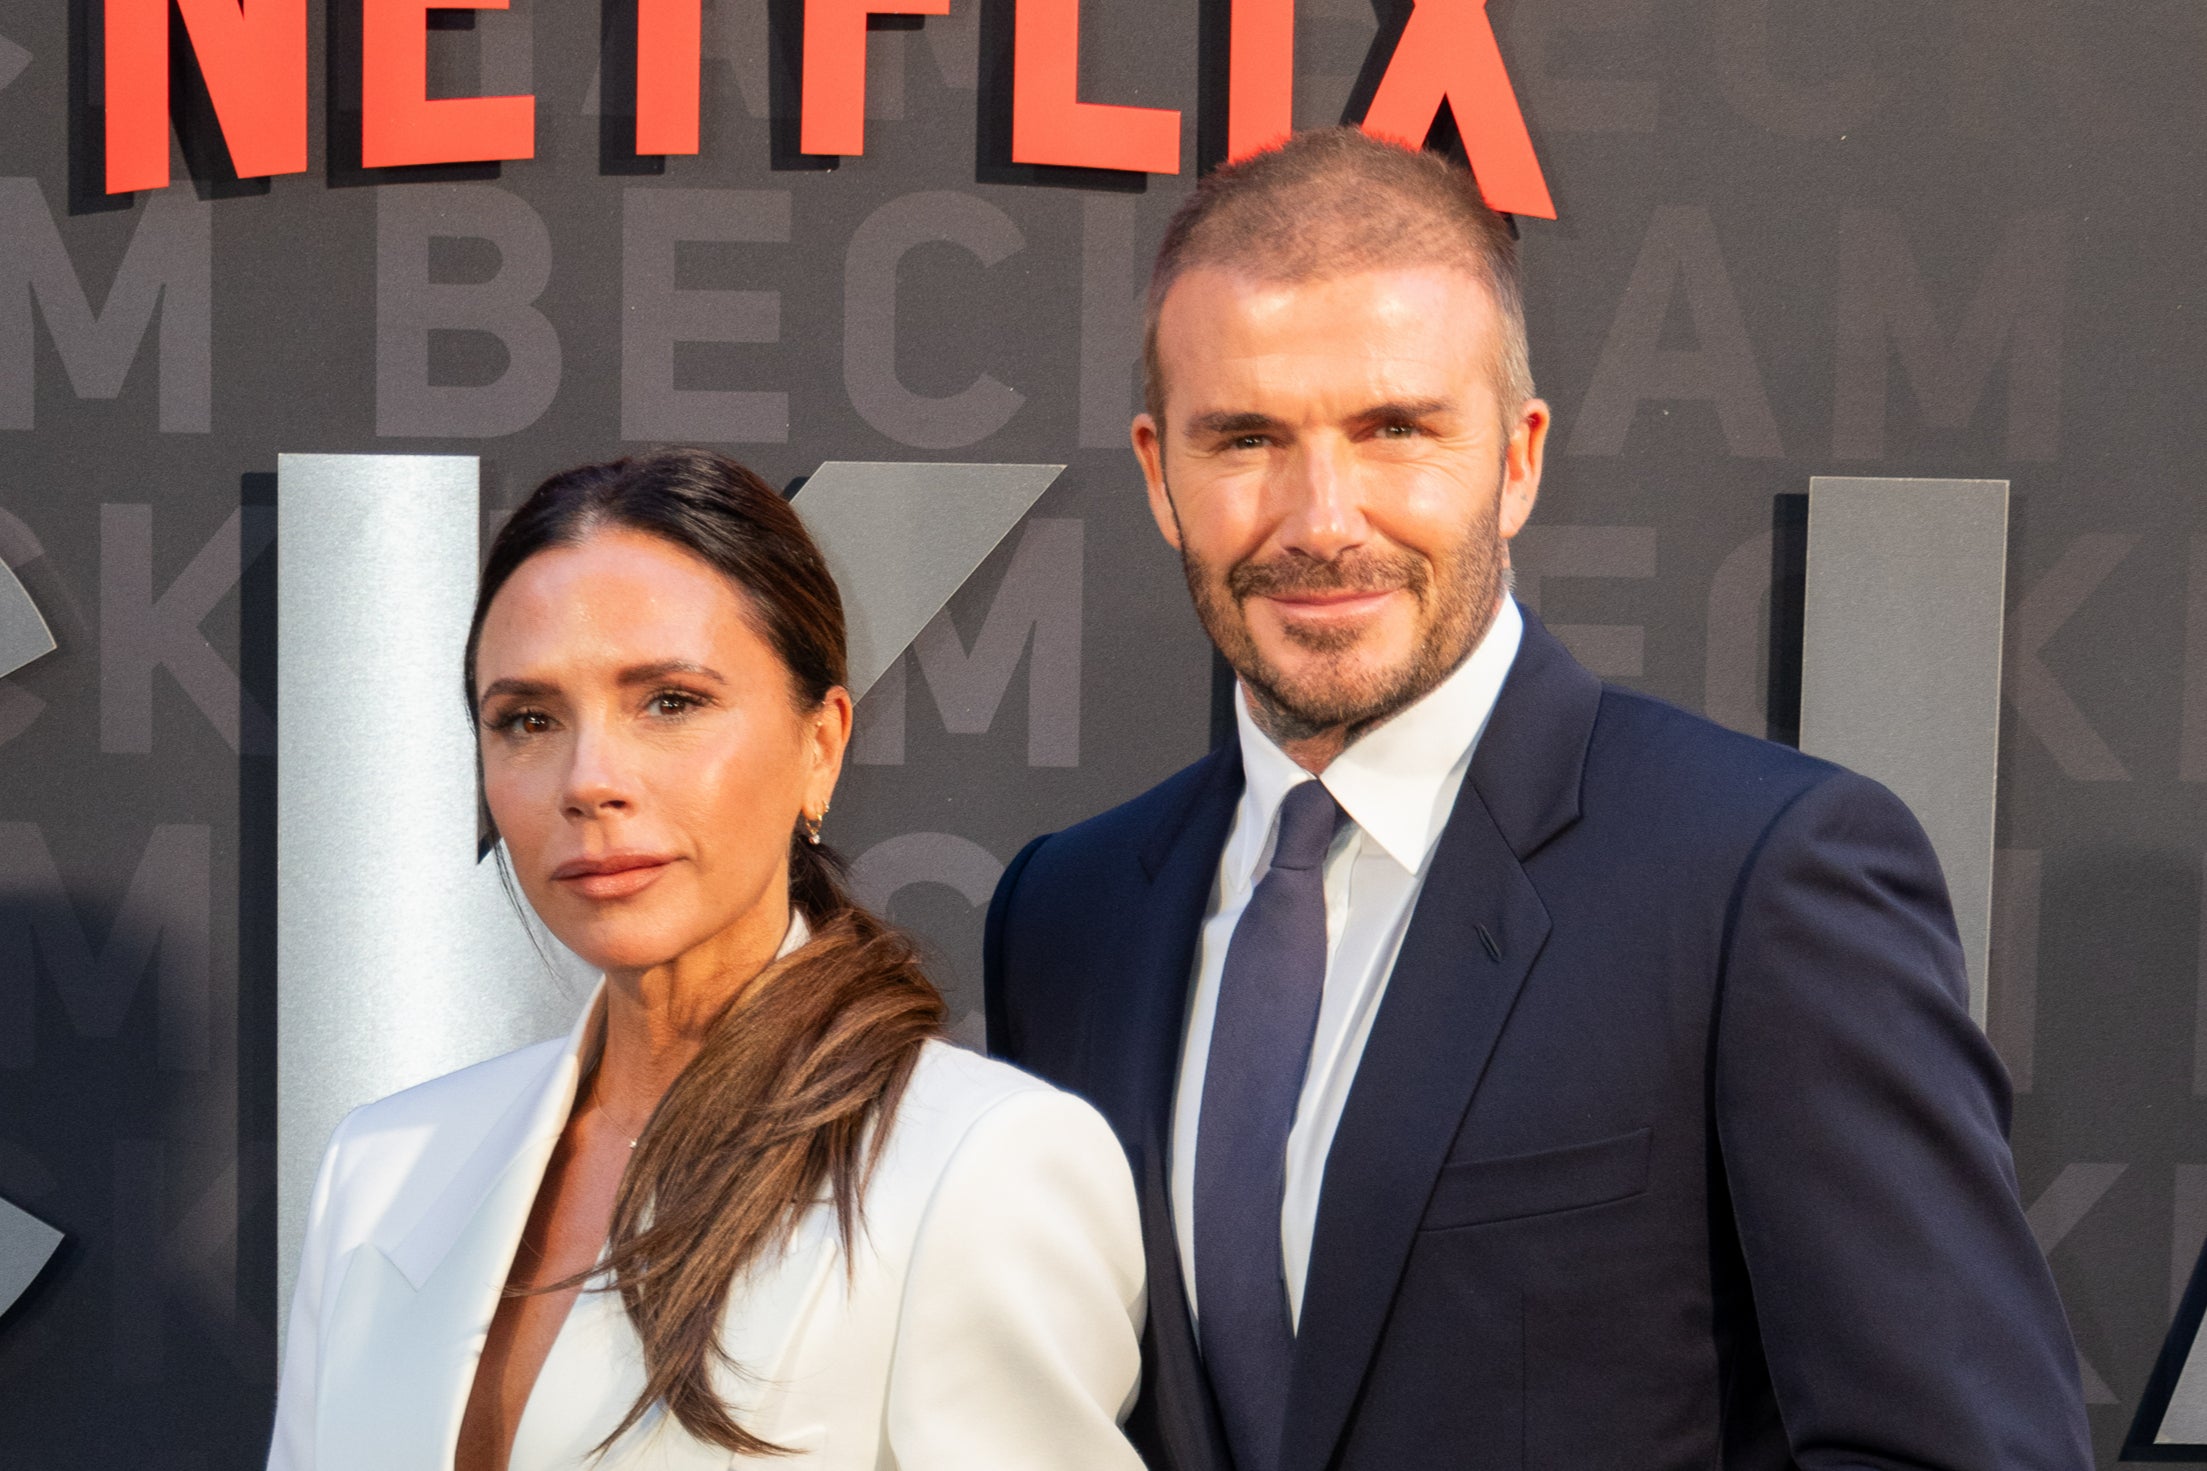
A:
(292, 1448)
(1018, 1346)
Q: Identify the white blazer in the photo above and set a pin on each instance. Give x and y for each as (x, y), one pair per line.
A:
(991, 1322)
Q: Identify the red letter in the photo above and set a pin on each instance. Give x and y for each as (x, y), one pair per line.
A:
(398, 122)
(255, 62)
(1447, 54)
(1050, 124)
(832, 113)
(670, 44)
(1260, 76)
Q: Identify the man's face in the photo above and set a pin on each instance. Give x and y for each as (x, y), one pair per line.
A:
(1341, 480)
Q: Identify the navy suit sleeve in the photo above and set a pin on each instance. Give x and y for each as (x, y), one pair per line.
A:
(1907, 1315)
(995, 984)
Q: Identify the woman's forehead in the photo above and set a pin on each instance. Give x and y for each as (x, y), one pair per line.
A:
(614, 598)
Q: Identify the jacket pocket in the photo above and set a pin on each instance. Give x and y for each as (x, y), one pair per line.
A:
(1476, 1191)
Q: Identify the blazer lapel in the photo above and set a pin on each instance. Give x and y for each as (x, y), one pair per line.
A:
(1478, 927)
(1180, 862)
(414, 1307)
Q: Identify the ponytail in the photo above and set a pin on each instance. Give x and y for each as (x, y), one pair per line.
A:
(788, 1101)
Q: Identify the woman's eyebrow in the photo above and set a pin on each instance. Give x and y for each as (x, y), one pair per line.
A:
(527, 689)
(654, 672)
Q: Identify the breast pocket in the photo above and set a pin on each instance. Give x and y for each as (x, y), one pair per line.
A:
(1475, 1192)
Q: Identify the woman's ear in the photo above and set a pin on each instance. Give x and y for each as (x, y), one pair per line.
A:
(828, 736)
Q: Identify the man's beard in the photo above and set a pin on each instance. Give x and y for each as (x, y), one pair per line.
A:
(1455, 601)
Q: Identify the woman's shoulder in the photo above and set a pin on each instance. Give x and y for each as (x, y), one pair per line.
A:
(961, 1104)
(953, 1088)
(487, 1086)
(991, 1175)
(950, 1075)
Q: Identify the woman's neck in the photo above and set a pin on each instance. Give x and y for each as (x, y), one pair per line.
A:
(656, 1019)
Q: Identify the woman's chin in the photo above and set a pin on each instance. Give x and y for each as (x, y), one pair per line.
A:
(618, 947)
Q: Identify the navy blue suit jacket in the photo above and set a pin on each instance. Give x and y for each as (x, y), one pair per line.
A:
(1673, 1144)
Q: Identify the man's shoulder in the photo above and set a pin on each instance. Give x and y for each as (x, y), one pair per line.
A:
(1648, 753)
(1630, 720)
(1121, 834)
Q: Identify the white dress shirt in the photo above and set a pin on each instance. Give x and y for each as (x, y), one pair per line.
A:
(1397, 784)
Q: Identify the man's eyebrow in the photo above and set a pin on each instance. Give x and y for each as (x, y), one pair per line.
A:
(1396, 410)
(1224, 424)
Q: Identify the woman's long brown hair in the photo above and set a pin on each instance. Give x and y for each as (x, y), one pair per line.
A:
(787, 1102)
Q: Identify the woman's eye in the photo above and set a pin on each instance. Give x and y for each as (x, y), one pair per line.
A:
(523, 722)
(674, 702)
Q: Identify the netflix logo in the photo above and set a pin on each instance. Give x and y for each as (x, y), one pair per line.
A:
(252, 55)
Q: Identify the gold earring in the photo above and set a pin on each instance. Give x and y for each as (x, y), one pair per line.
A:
(812, 826)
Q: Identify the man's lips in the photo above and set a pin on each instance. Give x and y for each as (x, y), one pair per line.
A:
(1344, 603)
(611, 875)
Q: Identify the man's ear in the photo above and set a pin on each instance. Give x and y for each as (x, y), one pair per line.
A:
(1521, 466)
(1149, 448)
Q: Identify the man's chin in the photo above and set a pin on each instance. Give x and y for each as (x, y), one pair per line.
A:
(1319, 693)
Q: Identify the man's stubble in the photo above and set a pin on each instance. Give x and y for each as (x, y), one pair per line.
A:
(1455, 603)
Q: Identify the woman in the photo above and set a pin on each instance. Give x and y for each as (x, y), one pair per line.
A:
(752, 1206)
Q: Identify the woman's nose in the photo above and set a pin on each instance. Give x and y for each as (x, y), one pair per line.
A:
(596, 777)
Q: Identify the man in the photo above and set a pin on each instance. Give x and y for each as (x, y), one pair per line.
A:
(1517, 1072)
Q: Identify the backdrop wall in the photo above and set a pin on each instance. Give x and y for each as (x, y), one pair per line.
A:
(1869, 238)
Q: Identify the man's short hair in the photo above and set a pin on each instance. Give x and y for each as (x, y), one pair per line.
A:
(1336, 202)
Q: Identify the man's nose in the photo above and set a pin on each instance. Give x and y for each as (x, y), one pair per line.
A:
(1325, 509)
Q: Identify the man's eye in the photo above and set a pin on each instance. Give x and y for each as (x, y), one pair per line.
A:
(1398, 431)
(1249, 441)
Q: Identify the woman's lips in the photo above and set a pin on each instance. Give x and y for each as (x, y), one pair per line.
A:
(615, 876)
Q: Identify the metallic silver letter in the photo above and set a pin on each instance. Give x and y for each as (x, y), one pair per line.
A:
(398, 954)
(1900, 664)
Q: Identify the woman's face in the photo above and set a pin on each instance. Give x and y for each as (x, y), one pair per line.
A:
(644, 755)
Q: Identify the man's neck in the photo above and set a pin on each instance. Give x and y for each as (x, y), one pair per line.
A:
(1314, 748)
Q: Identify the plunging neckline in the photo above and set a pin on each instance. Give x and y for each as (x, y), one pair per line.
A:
(588, 1044)
(525, 1453)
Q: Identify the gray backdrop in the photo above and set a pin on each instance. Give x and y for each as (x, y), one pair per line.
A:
(1864, 238)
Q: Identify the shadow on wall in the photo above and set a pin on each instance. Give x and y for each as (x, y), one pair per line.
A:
(1789, 560)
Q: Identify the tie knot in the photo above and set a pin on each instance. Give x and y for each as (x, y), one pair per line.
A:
(1307, 820)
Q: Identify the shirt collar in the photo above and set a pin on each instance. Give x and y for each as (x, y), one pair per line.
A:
(1392, 781)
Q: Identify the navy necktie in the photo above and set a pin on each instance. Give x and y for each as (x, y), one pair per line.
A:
(1268, 996)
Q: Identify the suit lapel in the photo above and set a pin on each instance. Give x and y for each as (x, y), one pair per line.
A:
(401, 1358)
(413, 1309)
(1478, 927)
(1180, 865)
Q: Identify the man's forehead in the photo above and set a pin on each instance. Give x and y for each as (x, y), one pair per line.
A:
(1212, 286)
(1373, 335)
(1427, 310)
